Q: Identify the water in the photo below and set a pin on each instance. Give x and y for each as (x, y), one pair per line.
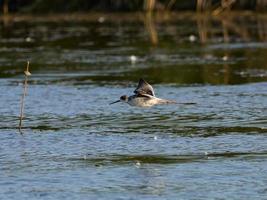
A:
(76, 146)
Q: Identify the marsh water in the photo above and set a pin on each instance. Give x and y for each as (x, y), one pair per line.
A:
(76, 146)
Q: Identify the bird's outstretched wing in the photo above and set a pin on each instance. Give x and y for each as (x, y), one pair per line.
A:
(144, 88)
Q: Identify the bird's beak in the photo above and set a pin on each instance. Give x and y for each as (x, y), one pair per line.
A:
(115, 102)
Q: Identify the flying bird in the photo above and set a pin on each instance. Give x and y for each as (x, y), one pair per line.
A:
(144, 96)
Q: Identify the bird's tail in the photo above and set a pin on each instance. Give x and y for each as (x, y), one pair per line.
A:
(166, 101)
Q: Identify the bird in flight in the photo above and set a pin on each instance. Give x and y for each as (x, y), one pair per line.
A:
(144, 96)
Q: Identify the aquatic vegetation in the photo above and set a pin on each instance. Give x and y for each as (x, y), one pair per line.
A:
(27, 73)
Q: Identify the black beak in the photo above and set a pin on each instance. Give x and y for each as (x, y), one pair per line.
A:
(115, 102)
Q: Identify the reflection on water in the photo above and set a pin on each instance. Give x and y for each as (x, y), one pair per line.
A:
(76, 146)
(185, 48)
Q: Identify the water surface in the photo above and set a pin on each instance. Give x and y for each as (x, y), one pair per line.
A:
(76, 146)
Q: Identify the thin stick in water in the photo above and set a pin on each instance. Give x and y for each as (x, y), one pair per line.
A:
(27, 73)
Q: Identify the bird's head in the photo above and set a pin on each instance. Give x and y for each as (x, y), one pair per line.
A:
(123, 98)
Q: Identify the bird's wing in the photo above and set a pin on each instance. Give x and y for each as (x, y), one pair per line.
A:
(143, 95)
(144, 88)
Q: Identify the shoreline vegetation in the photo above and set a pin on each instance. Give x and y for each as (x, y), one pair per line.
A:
(230, 22)
(242, 28)
(60, 6)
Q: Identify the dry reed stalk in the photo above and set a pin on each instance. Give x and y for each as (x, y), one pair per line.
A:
(27, 73)
(225, 5)
(261, 5)
(170, 4)
(199, 5)
(203, 5)
(235, 27)
(5, 7)
(149, 5)
(150, 26)
(262, 28)
(203, 27)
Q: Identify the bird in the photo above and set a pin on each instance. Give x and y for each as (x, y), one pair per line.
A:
(144, 96)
